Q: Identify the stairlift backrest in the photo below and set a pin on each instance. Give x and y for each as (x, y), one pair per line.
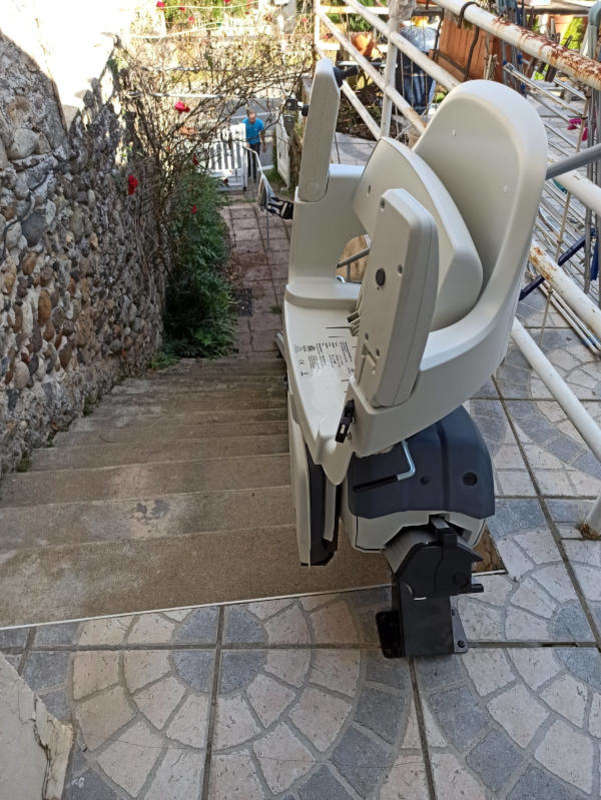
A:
(392, 165)
(488, 147)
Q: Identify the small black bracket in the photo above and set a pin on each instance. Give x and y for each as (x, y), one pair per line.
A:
(280, 207)
(422, 621)
(348, 415)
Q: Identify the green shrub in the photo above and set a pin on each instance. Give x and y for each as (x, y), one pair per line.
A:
(199, 311)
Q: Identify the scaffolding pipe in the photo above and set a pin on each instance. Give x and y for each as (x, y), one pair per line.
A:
(579, 159)
(565, 286)
(575, 411)
(404, 107)
(391, 66)
(434, 70)
(583, 189)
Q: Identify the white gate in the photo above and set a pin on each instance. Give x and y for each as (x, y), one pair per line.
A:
(283, 152)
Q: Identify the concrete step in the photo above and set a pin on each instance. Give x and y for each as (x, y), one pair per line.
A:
(167, 432)
(190, 402)
(208, 389)
(137, 480)
(130, 416)
(106, 455)
(233, 366)
(143, 517)
(83, 580)
(203, 394)
(184, 383)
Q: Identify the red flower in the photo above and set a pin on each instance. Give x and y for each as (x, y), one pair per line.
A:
(132, 183)
(193, 210)
(182, 8)
(191, 18)
(181, 107)
(195, 161)
(227, 1)
(160, 4)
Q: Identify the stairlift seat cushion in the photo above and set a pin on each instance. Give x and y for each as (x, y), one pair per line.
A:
(394, 166)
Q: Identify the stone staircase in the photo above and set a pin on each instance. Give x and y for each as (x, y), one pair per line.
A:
(159, 498)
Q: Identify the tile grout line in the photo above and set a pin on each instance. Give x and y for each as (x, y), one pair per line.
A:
(421, 724)
(26, 649)
(204, 795)
(245, 646)
(551, 523)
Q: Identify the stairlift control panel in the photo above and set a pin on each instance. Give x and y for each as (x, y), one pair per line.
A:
(397, 299)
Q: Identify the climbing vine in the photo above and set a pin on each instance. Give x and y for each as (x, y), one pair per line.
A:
(181, 92)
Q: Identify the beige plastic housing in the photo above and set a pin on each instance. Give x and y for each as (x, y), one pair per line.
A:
(459, 269)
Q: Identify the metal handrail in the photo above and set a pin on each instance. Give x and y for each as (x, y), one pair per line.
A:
(263, 181)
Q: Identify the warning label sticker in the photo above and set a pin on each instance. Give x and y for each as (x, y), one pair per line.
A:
(330, 353)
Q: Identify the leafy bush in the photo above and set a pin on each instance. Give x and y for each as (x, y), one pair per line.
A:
(199, 311)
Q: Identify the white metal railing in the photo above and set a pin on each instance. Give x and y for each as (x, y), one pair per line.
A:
(584, 71)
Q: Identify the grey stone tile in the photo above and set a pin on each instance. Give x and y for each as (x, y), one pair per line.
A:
(57, 703)
(386, 671)
(494, 759)
(238, 668)
(568, 451)
(380, 712)
(359, 759)
(490, 419)
(488, 390)
(584, 663)
(516, 515)
(537, 728)
(88, 786)
(65, 633)
(568, 511)
(588, 463)
(199, 627)
(242, 627)
(195, 668)
(528, 416)
(570, 623)
(461, 720)
(535, 784)
(323, 785)
(13, 637)
(46, 669)
(440, 671)
(14, 659)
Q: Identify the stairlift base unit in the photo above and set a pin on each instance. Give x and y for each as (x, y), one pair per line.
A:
(452, 478)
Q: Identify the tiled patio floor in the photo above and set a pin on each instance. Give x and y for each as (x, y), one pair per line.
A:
(291, 699)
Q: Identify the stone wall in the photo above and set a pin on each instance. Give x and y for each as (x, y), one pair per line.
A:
(80, 291)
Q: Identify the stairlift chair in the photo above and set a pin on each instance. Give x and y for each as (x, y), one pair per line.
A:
(377, 374)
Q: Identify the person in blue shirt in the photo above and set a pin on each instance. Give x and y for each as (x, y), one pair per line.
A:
(255, 139)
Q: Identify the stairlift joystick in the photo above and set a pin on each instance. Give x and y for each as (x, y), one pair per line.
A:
(380, 443)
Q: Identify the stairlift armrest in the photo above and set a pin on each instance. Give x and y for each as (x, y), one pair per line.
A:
(321, 229)
(398, 298)
(319, 133)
